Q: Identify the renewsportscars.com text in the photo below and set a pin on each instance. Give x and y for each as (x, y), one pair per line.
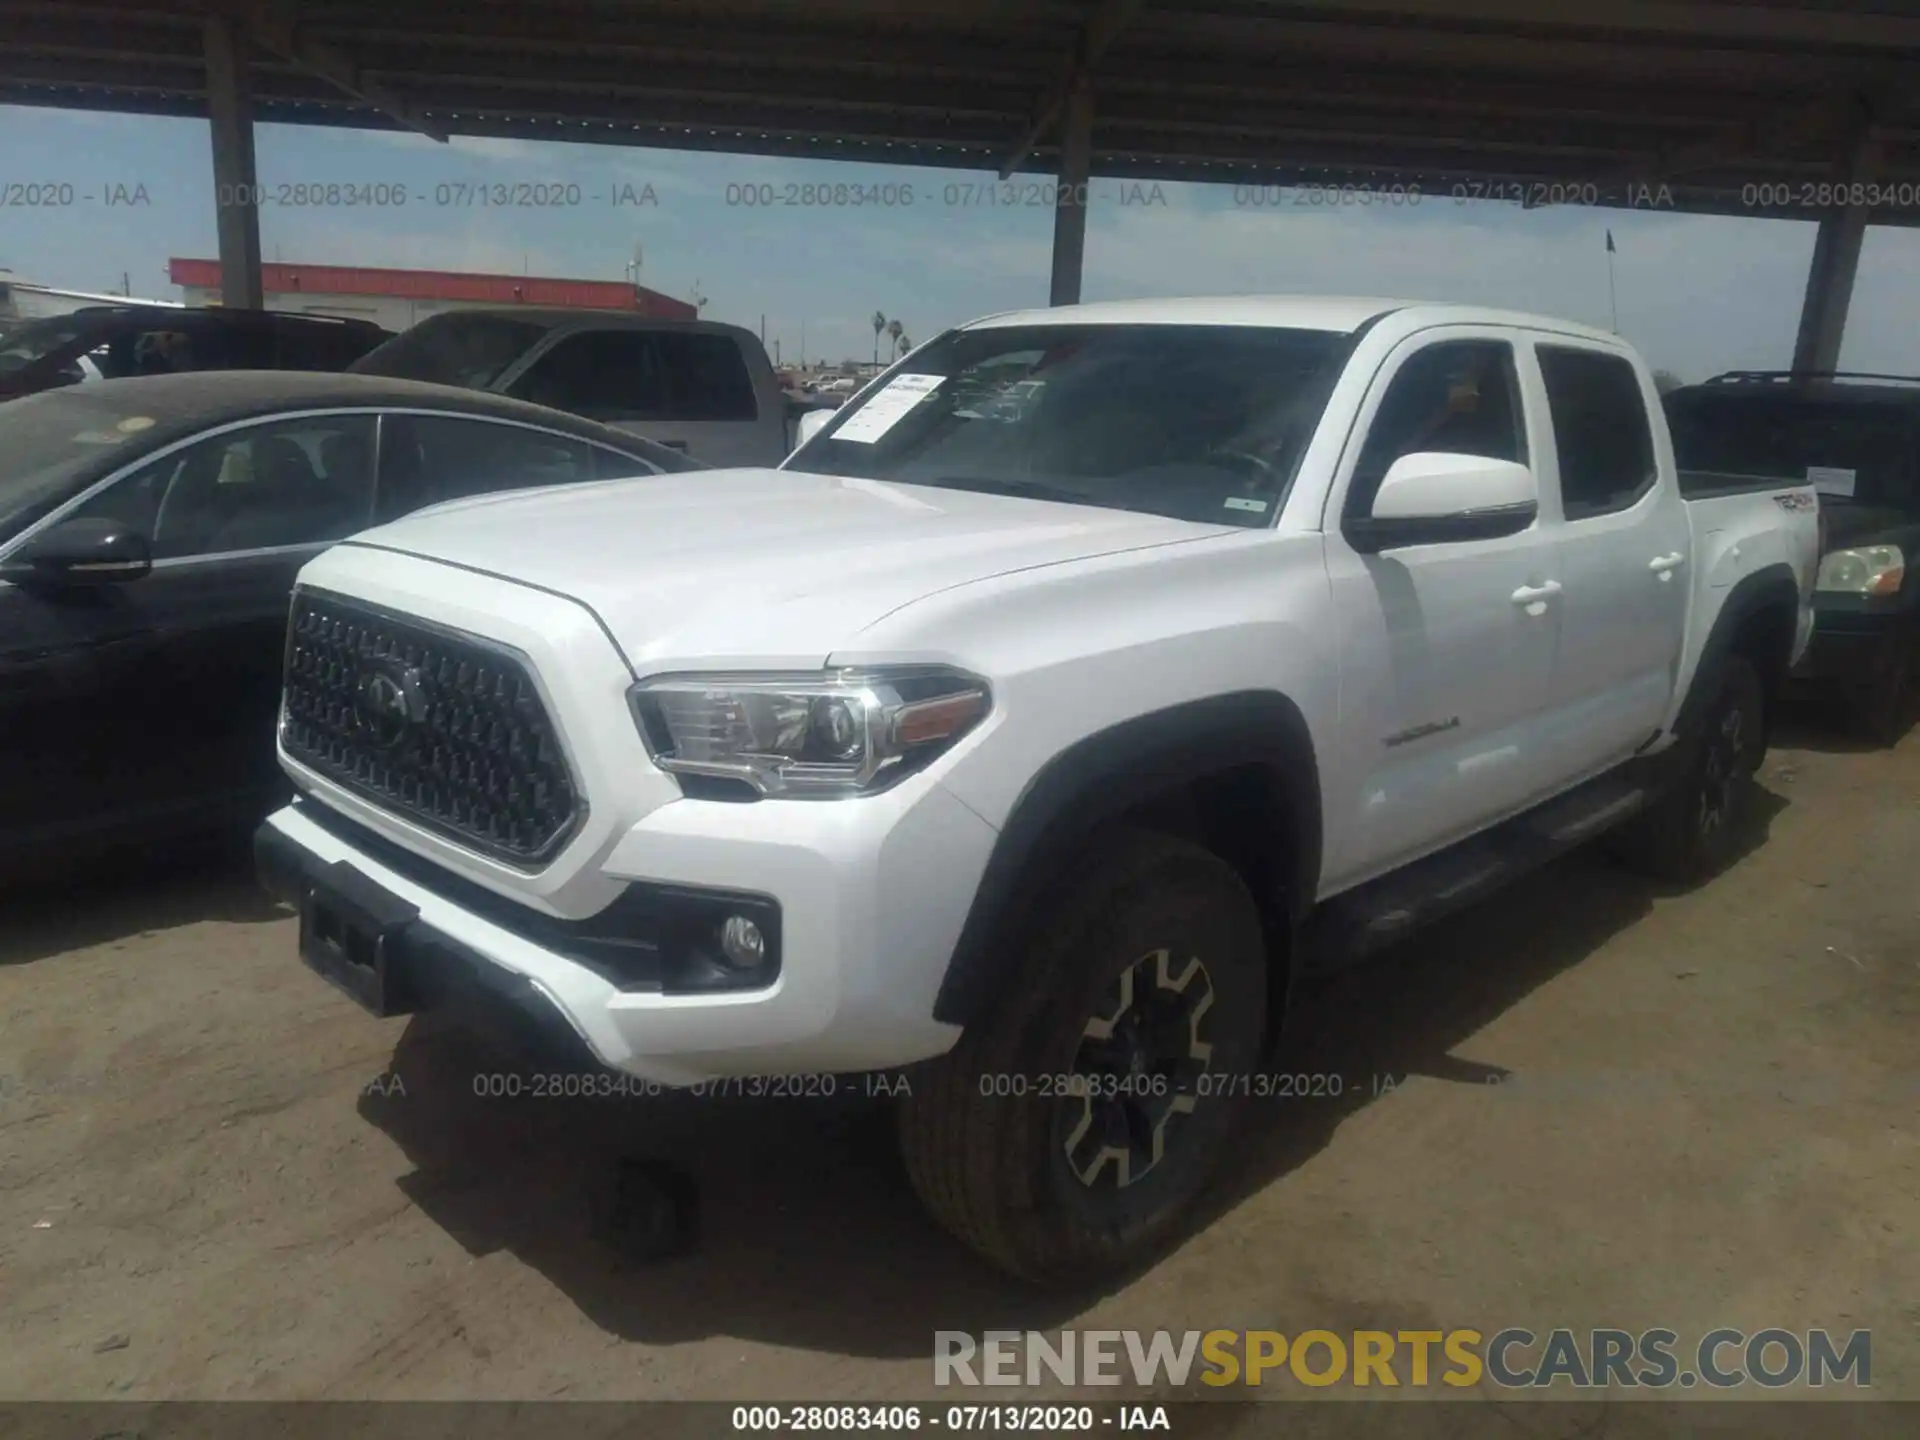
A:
(1512, 1358)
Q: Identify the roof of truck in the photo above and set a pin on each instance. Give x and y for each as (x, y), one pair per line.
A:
(554, 317)
(1340, 314)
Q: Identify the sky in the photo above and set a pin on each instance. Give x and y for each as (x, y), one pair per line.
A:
(1697, 294)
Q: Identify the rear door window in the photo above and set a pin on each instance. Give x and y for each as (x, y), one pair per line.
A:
(640, 375)
(1601, 433)
(298, 481)
(472, 351)
(612, 465)
(425, 459)
(316, 345)
(706, 376)
(192, 343)
(236, 343)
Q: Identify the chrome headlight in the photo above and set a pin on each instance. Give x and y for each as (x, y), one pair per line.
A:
(817, 736)
(1870, 570)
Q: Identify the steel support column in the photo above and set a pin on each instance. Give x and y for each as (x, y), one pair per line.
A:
(1823, 310)
(235, 182)
(1836, 260)
(1070, 203)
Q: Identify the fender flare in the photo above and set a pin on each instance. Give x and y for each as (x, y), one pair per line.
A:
(1770, 587)
(1112, 771)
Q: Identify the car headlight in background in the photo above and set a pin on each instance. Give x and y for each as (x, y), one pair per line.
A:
(1869, 570)
(818, 736)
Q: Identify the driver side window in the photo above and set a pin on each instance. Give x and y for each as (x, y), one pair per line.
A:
(287, 482)
(1458, 397)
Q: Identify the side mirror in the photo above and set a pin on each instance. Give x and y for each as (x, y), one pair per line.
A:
(80, 552)
(810, 425)
(1433, 498)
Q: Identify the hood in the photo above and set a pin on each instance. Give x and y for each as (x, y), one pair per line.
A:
(760, 566)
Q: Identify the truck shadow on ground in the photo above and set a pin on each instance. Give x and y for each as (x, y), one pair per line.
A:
(809, 1234)
(51, 909)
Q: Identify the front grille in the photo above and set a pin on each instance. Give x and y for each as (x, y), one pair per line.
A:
(442, 728)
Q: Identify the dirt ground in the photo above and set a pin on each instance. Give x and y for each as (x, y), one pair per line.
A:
(1611, 1107)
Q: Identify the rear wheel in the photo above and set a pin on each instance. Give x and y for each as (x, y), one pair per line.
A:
(1693, 830)
(1069, 1132)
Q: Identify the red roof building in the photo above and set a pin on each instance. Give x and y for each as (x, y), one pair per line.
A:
(398, 298)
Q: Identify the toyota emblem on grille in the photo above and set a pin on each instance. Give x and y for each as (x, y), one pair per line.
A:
(388, 702)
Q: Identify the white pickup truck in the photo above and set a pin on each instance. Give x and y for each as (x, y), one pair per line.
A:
(1092, 678)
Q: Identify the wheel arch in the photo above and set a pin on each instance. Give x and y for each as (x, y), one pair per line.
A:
(1757, 621)
(1236, 772)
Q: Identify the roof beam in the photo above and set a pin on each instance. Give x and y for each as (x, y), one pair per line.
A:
(1099, 32)
(1555, 54)
(1783, 135)
(277, 27)
(1788, 24)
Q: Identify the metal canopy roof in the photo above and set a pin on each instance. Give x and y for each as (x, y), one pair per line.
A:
(1708, 97)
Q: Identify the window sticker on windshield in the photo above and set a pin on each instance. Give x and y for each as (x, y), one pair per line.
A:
(1242, 502)
(135, 423)
(1831, 481)
(888, 408)
(98, 437)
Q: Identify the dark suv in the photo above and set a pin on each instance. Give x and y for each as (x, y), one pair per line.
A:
(114, 342)
(1856, 439)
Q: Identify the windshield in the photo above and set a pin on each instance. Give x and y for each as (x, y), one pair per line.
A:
(1204, 423)
(1851, 452)
(467, 350)
(54, 443)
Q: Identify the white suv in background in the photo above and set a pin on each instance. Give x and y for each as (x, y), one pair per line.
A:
(1041, 747)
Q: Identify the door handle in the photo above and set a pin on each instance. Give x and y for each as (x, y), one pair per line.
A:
(1665, 565)
(1534, 598)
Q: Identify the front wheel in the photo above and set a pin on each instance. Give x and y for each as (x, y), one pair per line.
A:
(1069, 1132)
(1693, 830)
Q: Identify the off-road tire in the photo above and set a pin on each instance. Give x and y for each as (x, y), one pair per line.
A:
(981, 1130)
(1694, 830)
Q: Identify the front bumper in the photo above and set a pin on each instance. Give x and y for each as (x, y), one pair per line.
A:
(871, 895)
(1853, 649)
(444, 974)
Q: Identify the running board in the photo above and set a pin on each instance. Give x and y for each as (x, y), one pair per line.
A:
(1382, 912)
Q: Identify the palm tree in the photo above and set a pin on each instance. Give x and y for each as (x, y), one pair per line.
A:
(879, 324)
(904, 344)
(893, 329)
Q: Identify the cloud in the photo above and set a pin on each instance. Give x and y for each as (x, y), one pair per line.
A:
(1695, 292)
